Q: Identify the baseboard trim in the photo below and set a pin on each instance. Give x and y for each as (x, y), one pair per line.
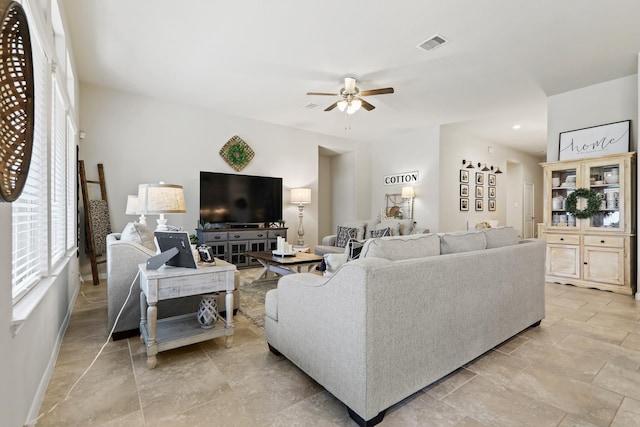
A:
(34, 410)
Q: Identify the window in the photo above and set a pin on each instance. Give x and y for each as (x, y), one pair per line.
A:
(29, 226)
(44, 217)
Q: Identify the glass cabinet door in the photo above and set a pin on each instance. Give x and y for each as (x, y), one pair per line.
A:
(604, 179)
(563, 183)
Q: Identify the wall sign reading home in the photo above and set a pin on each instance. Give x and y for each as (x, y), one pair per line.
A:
(402, 178)
(595, 141)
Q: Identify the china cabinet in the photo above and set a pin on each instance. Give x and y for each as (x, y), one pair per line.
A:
(589, 222)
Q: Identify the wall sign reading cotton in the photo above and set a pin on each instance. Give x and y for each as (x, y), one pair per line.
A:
(402, 178)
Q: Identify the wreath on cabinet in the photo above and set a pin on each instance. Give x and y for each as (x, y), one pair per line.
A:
(593, 203)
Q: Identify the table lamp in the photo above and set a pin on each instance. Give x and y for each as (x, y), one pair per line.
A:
(161, 199)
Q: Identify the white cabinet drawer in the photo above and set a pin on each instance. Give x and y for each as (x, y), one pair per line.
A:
(605, 241)
(566, 239)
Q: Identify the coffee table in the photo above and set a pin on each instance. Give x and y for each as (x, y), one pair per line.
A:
(283, 265)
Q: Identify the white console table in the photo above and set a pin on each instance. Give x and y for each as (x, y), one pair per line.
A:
(174, 282)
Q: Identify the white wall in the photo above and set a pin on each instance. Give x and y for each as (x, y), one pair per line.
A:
(607, 102)
(415, 152)
(142, 140)
(454, 147)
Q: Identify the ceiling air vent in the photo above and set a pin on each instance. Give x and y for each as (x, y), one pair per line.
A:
(432, 43)
(310, 106)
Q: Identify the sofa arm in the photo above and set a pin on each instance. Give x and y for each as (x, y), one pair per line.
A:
(329, 240)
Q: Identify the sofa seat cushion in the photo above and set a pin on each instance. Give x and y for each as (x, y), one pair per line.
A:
(138, 233)
(464, 241)
(501, 236)
(323, 249)
(402, 247)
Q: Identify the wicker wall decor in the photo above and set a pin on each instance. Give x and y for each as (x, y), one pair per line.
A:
(237, 153)
(16, 100)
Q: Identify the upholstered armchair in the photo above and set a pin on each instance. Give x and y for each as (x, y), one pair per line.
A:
(123, 257)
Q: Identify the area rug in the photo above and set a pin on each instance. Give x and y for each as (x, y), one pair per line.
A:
(252, 295)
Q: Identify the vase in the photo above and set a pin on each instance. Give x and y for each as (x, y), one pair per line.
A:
(208, 310)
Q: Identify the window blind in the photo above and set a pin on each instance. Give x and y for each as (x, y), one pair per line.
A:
(58, 197)
(29, 212)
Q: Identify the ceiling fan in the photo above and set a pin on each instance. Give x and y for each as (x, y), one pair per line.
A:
(350, 97)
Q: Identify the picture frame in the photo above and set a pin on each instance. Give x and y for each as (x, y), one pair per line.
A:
(479, 178)
(464, 190)
(464, 176)
(595, 141)
(479, 205)
(492, 192)
(492, 179)
(479, 191)
(492, 204)
(464, 204)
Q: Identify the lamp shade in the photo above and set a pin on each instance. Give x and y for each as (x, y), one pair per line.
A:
(161, 198)
(132, 205)
(301, 196)
(408, 192)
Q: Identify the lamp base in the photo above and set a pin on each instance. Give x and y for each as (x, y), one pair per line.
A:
(162, 223)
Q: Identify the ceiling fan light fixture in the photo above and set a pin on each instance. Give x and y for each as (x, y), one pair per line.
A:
(342, 105)
(354, 106)
(349, 84)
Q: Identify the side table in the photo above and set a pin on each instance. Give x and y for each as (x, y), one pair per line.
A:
(174, 282)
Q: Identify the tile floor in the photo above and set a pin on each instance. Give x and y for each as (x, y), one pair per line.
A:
(581, 367)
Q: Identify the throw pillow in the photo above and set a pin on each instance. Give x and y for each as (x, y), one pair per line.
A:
(344, 234)
(381, 233)
(394, 226)
(140, 234)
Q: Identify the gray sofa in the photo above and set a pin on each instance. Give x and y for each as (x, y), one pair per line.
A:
(363, 229)
(410, 311)
(123, 258)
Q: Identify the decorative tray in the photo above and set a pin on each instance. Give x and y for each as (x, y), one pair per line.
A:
(284, 253)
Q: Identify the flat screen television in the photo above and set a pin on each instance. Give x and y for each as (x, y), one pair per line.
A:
(231, 199)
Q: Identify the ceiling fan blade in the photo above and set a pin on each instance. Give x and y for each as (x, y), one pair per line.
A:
(376, 91)
(331, 107)
(366, 105)
(322, 93)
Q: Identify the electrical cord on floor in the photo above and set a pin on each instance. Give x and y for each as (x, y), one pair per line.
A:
(97, 355)
(82, 282)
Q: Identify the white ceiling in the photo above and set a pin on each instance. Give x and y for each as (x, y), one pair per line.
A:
(257, 59)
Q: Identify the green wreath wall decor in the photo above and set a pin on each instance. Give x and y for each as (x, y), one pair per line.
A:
(593, 203)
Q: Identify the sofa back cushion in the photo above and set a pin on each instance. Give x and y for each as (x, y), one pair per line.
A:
(464, 241)
(501, 236)
(140, 234)
(402, 247)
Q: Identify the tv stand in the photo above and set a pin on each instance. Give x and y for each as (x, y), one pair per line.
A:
(232, 244)
(246, 225)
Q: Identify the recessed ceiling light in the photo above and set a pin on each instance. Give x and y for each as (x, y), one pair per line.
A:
(516, 127)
